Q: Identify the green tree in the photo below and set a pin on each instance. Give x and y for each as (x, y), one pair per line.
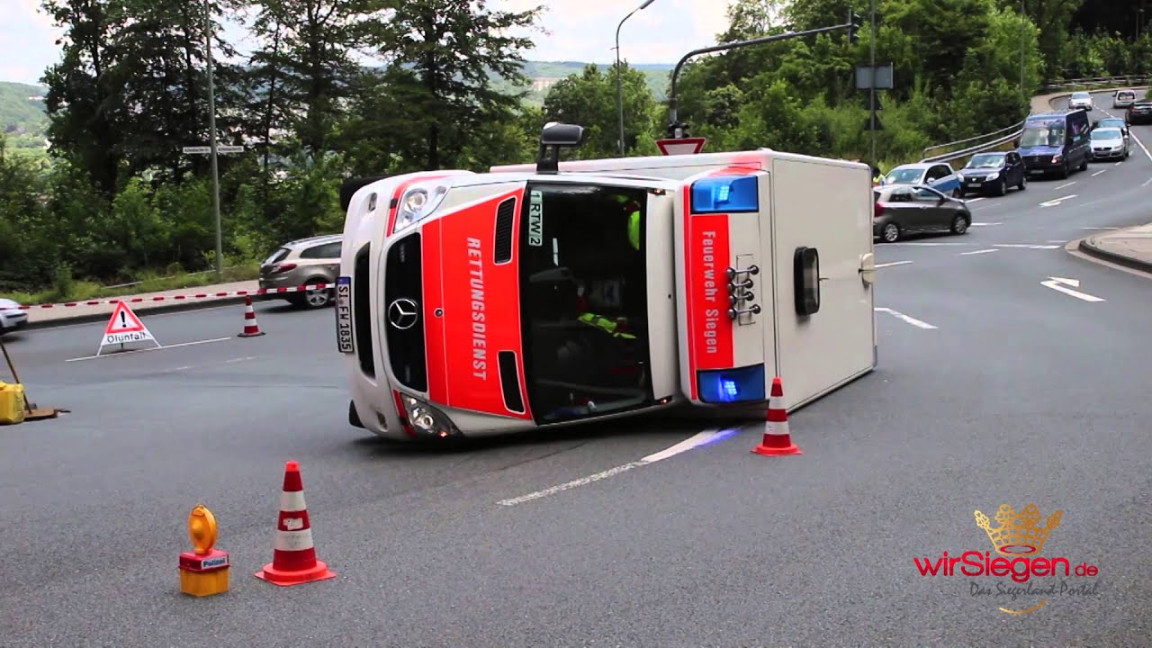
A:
(589, 99)
(455, 47)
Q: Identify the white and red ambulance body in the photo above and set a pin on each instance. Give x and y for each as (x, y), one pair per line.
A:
(465, 300)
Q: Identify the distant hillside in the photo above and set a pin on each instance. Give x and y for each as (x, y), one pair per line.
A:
(545, 73)
(23, 119)
(22, 116)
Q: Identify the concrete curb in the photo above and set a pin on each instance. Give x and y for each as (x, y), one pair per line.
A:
(1087, 246)
(143, 312)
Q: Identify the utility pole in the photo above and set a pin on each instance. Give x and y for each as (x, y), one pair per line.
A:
(872, 97)
(619, 88)
(1023, 21)
(212, 139)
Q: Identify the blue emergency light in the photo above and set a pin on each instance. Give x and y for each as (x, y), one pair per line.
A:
(726, 195)
(742, 385)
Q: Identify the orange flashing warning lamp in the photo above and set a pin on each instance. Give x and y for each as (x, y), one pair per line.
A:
(204, 570)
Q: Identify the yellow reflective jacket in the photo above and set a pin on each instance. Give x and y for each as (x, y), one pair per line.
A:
(606, 325)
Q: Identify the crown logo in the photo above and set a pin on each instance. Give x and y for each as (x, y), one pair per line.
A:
(1018, 533)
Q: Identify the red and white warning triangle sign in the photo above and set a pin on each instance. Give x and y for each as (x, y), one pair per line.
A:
(124, 327)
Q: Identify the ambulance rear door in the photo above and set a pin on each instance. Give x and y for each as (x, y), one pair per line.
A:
(821, 240)
(725, 284)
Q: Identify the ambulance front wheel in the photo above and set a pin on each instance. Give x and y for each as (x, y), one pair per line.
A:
(890, 233)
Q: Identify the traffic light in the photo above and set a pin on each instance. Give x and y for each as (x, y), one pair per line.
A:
(854, 22)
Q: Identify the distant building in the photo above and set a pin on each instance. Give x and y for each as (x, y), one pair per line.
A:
(541, 84)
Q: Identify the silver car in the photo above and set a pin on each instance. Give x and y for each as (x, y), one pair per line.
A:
(1109, 144)
(12, 317)
(307, 261)
(1080, 100)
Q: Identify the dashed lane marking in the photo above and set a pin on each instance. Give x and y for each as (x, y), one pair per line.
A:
(985, 224)
(979, 252)
(703, 438)
(1025, 246)
(1066, 184)
(1057, 201)
(893, 263)
(1099, 172)
(905, 318)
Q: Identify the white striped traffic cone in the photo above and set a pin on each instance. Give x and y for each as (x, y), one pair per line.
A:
(777, 440)
(294, 556)
(251, 328)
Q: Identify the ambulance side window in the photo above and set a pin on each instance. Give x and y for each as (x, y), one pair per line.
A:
(806, 277)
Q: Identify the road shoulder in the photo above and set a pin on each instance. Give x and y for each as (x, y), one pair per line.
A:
(1129, 248)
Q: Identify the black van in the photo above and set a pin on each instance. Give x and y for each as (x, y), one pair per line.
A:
(1055, 142)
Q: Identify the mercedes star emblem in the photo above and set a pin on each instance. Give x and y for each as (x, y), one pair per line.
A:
(402, 313)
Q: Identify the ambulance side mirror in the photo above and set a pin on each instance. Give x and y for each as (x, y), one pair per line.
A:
(553, 137)
(806, 277)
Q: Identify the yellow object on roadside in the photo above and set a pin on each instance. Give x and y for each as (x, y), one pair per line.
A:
(11, 403)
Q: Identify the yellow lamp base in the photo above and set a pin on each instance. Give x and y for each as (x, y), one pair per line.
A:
(204, 583)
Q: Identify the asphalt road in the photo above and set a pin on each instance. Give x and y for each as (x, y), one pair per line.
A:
(992, 388)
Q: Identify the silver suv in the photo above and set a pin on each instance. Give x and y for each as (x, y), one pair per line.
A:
(307, 261)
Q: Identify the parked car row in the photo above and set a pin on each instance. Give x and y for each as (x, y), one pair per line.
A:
(928, 196)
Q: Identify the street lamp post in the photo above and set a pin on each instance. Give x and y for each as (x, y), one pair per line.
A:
(212, 138)
(619, 89)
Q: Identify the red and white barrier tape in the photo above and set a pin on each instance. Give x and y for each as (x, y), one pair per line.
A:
(163, 298)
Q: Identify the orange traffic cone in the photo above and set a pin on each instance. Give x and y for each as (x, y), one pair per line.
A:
(294, 556)
(251, 328)
(777, 440)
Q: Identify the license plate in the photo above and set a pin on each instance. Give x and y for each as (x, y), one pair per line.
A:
(344, 315)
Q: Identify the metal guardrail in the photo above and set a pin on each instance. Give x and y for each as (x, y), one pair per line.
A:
(1013, 128)
(1017, 129)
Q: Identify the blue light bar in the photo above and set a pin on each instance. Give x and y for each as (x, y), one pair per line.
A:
(726, 195)
(742, 385)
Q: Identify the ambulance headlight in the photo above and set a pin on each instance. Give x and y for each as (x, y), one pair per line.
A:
(427, 420)
(418, 202)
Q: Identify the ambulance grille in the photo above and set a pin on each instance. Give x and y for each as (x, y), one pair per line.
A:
(505, 217)
(510, 381)
(403, 320)
(362, 314)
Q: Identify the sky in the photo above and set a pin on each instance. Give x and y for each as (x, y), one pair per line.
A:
(576, 30)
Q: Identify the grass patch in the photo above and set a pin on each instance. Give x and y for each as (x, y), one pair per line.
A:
(67, 289)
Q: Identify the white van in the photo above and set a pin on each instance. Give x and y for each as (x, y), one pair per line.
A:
(542, 295)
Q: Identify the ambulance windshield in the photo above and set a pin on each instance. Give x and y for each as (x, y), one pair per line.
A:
(584, 300)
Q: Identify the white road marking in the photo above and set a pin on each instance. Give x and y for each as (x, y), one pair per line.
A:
(696, 441)
(1141, 144)
(910, 320)
(979, 252)
(1099, 228)
(1146, 182)
(182, 368)
(972, 200)
(1023, 246)
(1055, 284)
(1066, 184)
(1056, 201)
(170, 346)
(894, 263)
(984, 224)
(1117, 164)
(239, 360)
(1099, 172)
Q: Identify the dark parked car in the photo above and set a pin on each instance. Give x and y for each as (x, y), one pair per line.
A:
(904, 209)
(994, 173)
(1139, 112)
